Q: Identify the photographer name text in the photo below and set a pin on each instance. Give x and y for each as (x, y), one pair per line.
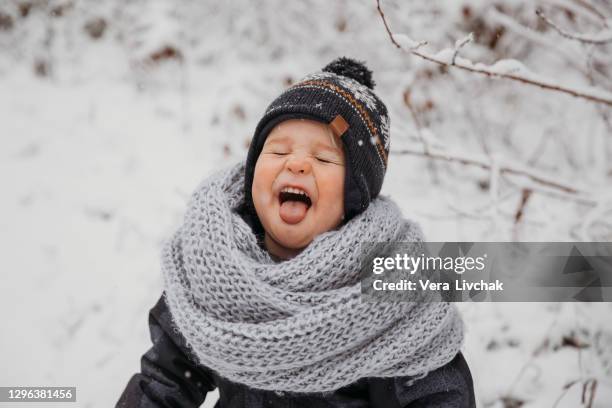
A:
(426, 284)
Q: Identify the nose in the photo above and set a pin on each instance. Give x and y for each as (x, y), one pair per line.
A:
(298, 164)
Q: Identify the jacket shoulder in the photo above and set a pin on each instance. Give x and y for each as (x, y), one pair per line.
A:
(170, 374)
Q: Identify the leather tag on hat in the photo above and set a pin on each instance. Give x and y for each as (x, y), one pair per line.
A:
(339, 126)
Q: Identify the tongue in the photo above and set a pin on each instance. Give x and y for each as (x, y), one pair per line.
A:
(293, 212)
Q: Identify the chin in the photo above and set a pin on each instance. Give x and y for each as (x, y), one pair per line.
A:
(292, 239)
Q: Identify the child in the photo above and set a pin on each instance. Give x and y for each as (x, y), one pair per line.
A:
(262, 294)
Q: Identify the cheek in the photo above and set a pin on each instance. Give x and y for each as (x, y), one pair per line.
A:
(331, 189)
(263, 177)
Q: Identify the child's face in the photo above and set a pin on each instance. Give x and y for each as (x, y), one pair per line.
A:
(302, 154)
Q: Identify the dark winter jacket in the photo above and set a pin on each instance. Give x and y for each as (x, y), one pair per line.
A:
(171, 377)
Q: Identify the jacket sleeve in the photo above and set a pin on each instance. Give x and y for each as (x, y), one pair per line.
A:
(170, 375)
(449, 386)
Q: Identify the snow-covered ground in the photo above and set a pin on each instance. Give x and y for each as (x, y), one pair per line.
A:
(98, 158)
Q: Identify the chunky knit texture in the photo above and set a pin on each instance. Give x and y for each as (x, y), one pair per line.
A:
(298, 325)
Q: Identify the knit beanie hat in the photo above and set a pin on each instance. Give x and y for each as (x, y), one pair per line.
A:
(342, 96)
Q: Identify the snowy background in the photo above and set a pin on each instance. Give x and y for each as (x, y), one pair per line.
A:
(111, 112)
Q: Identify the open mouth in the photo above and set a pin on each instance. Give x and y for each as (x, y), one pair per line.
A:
(294, 194)
(294, 204)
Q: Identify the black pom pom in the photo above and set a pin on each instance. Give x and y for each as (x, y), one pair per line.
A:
(353, 69)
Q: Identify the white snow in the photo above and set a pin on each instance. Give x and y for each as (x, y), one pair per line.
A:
(98, 158)
(508, 66)
(406, 42)
(445, 55)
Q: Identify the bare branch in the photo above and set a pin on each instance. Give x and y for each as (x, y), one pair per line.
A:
(525, 194)
(382, 15)
(503, 168)
(580, 7)
(601, 38)
(588, 6)
(500, 70)
(588, 391)
(589, 386)
(523, 182)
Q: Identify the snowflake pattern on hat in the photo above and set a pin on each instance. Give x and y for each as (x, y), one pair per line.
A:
(384, 130)
(361, 92)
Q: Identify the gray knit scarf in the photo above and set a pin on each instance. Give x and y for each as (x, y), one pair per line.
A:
(298, 325)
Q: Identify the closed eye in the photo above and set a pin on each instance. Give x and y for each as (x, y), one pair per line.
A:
(328, 161)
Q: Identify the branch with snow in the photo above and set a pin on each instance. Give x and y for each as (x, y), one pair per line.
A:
(601, 38)
(570, 55)
(460, 44)
(508, 69)
(567, 54)
(501, 168)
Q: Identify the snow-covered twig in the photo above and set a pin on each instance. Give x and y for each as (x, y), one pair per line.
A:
(504, 168)
(460, 44)
(601, 38)
(569, 55)
(509, 69)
